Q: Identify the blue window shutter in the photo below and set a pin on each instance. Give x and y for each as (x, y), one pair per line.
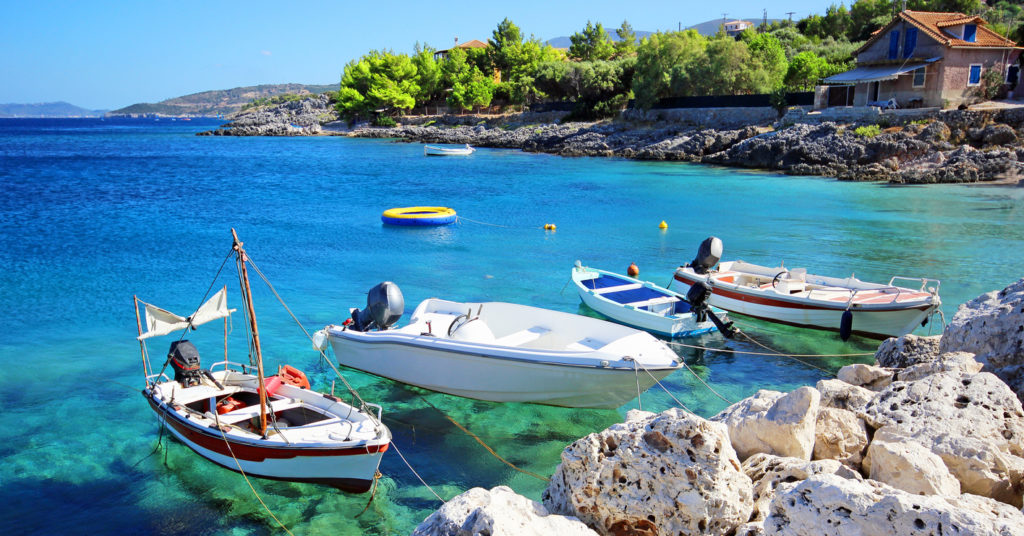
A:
(970, 32)
(975, 76)
(894, 44)
(909, 42)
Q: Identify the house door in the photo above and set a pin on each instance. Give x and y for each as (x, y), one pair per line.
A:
(840, 96)
(873, 92)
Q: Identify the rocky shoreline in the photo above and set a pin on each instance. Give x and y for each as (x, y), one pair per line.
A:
(947, 147)
(928, 441)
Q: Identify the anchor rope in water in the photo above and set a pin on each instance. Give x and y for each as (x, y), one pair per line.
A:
(773, 351)
(663, 388)
(483, 444)
(460, 219)
(246, 477)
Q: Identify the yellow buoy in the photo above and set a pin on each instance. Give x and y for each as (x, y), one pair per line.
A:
(549, 227)
(662, 225)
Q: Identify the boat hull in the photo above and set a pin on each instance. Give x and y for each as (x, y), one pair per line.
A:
(878, 321)
(473, 374)
(349, 469)
(671, 326)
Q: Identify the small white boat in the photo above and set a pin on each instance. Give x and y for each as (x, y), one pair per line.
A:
(276, 427)
(640, 304)
(434, 150)
(501, 352)
(792, 296)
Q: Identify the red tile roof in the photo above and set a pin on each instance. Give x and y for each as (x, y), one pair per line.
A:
(932, 23)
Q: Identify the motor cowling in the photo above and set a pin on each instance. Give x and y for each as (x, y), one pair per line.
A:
(698, 296)
(184, 360)
(384, 306)
(708, 255)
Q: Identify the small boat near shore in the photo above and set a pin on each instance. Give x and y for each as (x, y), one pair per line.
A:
(501, 352)
(639, 304)
(434, 150)
(792, 296)
(275, 428)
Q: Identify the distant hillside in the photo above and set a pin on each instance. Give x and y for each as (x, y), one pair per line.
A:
(565, 42)
(218, 102)
(47, 109)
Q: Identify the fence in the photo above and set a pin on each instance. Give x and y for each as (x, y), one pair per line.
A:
(803, 98)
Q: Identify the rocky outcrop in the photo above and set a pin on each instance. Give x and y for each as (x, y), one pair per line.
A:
(866, 376)
(907, 351)
(841, 395)
(767, 472)
(840, 435)
(991, 326)
(830, 505)
(773, 423)
(295, 118)
(907, 465)
(671, 473)
(497, 512)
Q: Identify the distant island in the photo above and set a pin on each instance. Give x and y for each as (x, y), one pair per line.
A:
(47, 109)
(218, 102)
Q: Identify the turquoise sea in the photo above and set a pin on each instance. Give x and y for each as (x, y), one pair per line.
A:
(92, 212)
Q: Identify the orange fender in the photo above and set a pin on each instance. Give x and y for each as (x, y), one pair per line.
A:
(293, 376)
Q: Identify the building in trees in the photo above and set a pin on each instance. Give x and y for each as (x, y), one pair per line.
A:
(928, 59)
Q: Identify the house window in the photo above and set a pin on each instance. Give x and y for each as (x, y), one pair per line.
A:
(909, 42)
(974, 78)
(894, 44)
(919, 77)
(970, 32)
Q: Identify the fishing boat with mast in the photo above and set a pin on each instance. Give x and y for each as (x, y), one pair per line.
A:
(269, 427)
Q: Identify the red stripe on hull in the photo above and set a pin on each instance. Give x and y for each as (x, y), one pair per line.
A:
(211, 439)
(739, 296)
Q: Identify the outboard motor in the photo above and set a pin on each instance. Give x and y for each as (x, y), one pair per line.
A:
(184, 359)
(698, 296)
(708, 254)
(384, 306)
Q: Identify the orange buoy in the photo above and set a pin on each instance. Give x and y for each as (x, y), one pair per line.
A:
(633, 270)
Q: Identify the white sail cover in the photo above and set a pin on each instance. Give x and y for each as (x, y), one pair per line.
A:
(161, 321)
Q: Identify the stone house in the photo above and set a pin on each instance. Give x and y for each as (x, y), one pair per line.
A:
(927, 59)
(736, 27)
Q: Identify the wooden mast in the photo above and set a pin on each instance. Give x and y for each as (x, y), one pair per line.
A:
(247, 293)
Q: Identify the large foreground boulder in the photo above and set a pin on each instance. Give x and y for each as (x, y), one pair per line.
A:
(768, 471)
(497, 512)
(972, 421)
(992, 327)
(830, 505)
(773, 423)
(670, 473)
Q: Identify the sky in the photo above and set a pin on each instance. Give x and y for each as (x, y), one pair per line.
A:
(106, 55)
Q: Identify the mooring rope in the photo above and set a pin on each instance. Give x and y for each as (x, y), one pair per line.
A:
(663, 388)
(460, 219)
(246, 477)
(407, 464)
(773, 351)
(484, 445)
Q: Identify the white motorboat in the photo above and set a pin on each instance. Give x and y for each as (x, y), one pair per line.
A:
(501, 352)
(434, 150)
(276, 427)
(792, 296)
(640, 304)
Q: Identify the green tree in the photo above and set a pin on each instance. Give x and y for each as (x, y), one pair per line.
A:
(767, 50)
(593, 43)
(599, 88)
(804, 70)
(626, 45)
(428, 74)
(664, 64)
(378, 80)
(517, 61)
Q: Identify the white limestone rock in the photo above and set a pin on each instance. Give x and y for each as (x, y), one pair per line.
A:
(768, 471)
(867, 376)
(673, 473)
(773, 423)
(956, 362)
(973, 422)
(907, 465)
(840, 435)
(907, 351)
(499, 511)
(753, 528)
(829, 505)
(841, 395)
(992, 327)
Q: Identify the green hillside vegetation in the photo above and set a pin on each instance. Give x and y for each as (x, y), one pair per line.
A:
(219, 102)
(599, 74)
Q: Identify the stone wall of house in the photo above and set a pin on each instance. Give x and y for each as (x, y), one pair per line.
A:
(955, 72)
(706, 117)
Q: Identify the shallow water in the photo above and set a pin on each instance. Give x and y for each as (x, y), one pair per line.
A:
(92, 212)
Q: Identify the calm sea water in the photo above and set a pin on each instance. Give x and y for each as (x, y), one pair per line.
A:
(92, 212)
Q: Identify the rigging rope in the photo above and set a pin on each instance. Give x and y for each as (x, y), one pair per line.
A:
(773, 351)
(663, 388)
(407, 464)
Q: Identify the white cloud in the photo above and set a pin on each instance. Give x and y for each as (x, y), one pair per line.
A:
(265, 52)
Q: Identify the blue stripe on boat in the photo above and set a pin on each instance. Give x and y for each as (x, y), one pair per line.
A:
(604, 281)
(633, 295)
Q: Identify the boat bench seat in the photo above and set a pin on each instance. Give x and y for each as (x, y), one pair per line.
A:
(248, 412)
(203, 391)
(522, 336)
(617, 288)
(653, 301)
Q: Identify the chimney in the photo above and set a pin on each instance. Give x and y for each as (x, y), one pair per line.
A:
(456, 41)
